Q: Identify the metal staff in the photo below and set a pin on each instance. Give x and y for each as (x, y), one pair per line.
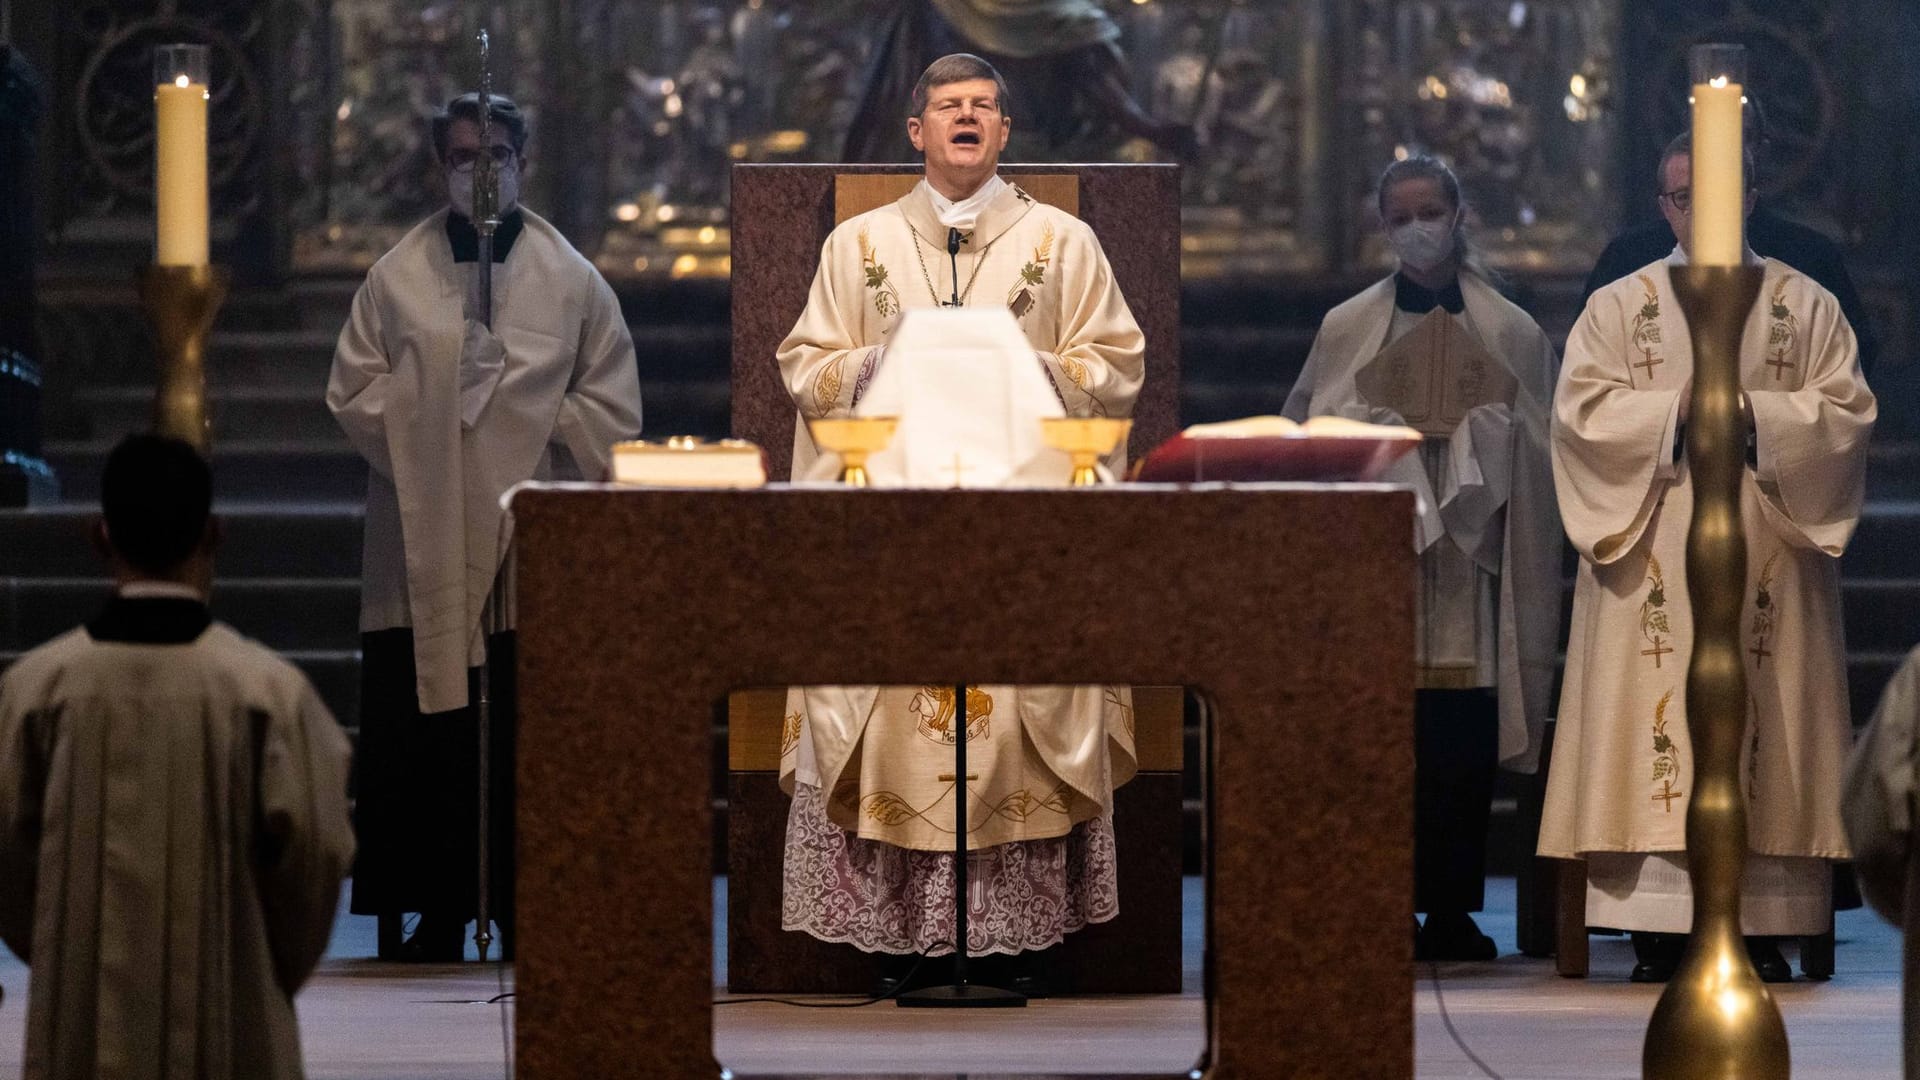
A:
(486, 218)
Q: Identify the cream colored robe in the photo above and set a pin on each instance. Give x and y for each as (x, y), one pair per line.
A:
(1047, 757)
(1622, 765)
(1043, 263)
(1498, 507)
(1878, 802)
(435, 533)
(173, 833)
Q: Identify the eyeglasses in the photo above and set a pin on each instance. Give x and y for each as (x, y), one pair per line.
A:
(1681, 198)
(464, 158)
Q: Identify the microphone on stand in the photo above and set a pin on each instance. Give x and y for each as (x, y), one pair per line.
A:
(953, 257)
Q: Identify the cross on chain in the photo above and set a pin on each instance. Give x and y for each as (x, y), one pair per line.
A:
(1649, 362)
(958, 469)
(1759, 653)
(1667, 795)
(1659, 650)
(1779, 363)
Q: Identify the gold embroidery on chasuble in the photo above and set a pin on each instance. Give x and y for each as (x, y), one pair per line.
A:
(1646, 333)
(1784, 332)
(826, 389)
(1764, 614)
(1115, 699)
(1666, 756)
(886, 298)
(933, 712)
(1033, 276)
(790, 732)
(1654, 625)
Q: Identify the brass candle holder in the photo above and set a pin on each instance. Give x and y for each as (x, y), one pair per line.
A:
(855, 439)
(181, 302)
(1716, 1019)
(1086, 439)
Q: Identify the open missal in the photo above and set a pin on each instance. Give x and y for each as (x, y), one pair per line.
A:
(684, 461)
(1274, 448)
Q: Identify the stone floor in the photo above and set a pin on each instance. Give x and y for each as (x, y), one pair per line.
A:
(364, 1020)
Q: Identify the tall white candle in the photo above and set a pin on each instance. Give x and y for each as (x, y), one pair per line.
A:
(180, 199)
(1719, 183)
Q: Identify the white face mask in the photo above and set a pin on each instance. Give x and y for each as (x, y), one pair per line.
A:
(1424, 245)
(460, 187)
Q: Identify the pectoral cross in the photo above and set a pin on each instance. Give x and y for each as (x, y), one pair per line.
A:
(1779, 363)
(959, 468)
(1667, 795)
(1649, 362)
(1659, 650)
(1759, 653)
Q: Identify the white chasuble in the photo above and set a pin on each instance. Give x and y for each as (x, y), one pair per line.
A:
(1040, 263)
(1046, 758)
(173, 834)
(1486, 525)
(1878, 802)
(1623, 765)
(449, 417)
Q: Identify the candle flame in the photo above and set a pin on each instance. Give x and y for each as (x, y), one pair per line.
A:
(180, 81)
(1719, 82)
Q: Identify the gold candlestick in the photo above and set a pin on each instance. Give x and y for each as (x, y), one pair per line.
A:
(1086, 439)
(854, 438)
(1716, 1019)
(180, 303)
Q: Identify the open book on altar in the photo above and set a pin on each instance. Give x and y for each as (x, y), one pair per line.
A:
(1274, 448)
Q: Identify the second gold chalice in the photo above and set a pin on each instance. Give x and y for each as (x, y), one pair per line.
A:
(854, 438)
(1086, 439)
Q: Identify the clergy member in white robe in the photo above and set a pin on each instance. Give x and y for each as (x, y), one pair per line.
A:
(1488, 534)
(1049, 756)
(173, 813)
(1877, 803)
(449, 416)
(1621, 776)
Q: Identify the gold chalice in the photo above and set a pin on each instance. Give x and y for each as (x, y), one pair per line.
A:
(1087, 439)
(854, 438)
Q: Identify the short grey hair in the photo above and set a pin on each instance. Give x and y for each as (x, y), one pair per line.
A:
(953, 68)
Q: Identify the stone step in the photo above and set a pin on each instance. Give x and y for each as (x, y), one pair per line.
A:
(281, 541)
(294, 412)
(335, 675)
(253, 471)
(281, 613)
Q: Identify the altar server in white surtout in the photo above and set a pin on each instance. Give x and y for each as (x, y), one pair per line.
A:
(1049, 757)
(1621, 778)
(449, 415)
(1488, 600)
(173, 812)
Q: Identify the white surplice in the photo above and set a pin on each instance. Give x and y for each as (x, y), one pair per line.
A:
(460, 435)
(1877, 803)
(173, 833)
(1623, 765)
(1486, 525)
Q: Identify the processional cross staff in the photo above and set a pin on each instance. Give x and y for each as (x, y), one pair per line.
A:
(486, 219)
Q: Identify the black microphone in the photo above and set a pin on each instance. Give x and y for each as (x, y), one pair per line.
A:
(953, 257)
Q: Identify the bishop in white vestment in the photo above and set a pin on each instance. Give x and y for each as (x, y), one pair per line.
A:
(1621, 777)
(869, 858)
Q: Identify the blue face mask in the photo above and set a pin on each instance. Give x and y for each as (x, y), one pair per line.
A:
(460, 187)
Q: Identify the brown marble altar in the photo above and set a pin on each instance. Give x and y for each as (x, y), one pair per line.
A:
(1290, 608)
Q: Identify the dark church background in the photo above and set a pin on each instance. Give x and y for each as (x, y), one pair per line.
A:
(1552, 111)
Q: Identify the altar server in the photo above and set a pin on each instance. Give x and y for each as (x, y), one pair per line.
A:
(173, 812)
(1488, 599)
(449, 415)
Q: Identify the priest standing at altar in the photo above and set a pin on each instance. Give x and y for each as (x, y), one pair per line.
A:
(869, 845)
(1621, 777)
(1436, 346)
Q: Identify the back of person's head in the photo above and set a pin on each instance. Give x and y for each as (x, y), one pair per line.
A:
(955, 68)
(466, 107)
(156, 495)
